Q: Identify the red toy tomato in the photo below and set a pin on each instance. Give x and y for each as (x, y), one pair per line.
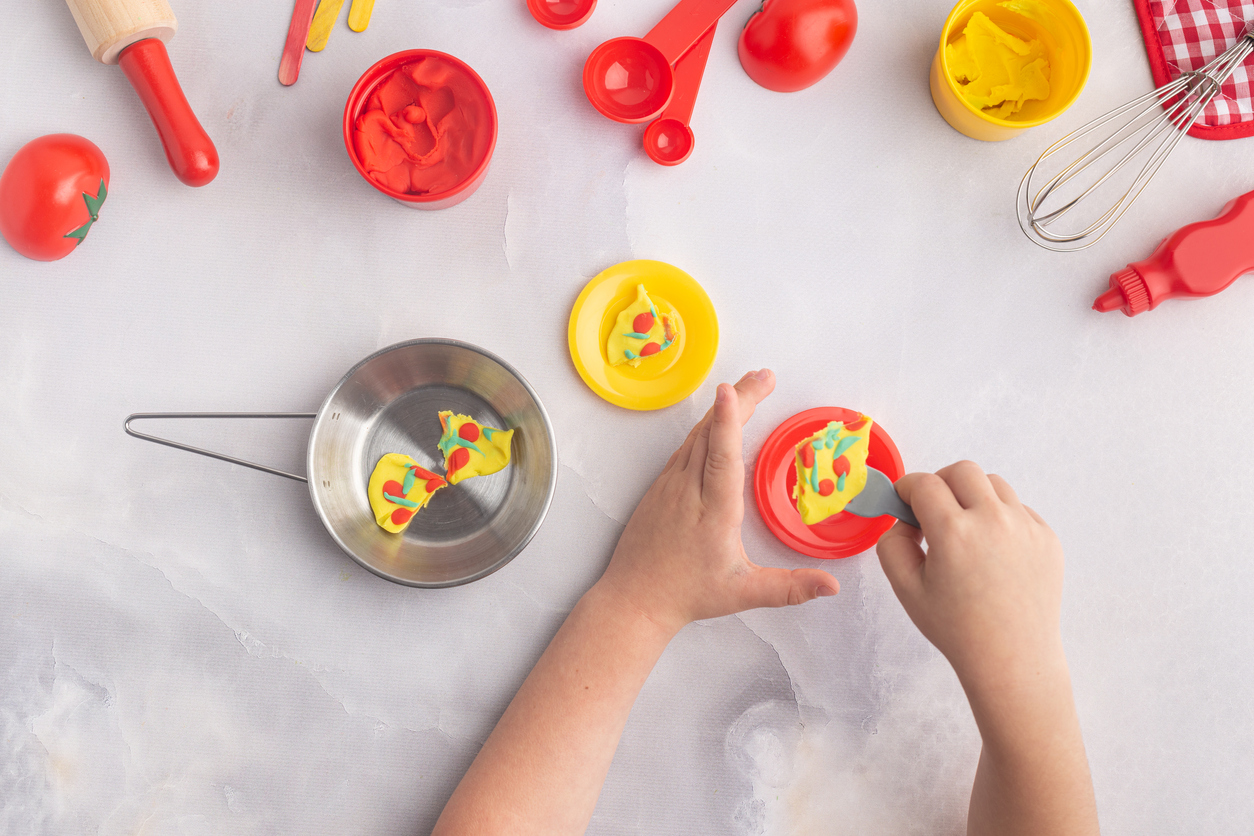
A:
(50, 195)
(788, 45)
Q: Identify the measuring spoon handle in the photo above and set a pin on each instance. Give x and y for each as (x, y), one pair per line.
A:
(688, 72)
(683, 26)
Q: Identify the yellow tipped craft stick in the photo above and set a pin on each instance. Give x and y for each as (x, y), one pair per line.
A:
(359, 15)
(324, 20)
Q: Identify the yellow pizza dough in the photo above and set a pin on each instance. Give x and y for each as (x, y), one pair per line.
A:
(470, 448)
(398, 489)
(831, 469)
(640, 331)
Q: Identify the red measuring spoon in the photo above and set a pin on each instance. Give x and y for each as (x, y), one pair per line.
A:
(668, 140)
(631, 79)
(561, 14)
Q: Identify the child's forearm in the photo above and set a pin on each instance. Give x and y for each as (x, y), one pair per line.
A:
(542, 768)
(1033, 776)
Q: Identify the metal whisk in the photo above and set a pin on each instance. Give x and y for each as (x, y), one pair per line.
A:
(1148, 128)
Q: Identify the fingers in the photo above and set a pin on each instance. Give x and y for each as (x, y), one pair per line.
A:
(685, 449)
(968, 483)
(902, 559)
(724, 475)
(929, 496)
(749, 392)
(1004, 492)
(1035, 516)
(770, 587)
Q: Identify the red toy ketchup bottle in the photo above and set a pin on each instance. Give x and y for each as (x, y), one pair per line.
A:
(1200, 259)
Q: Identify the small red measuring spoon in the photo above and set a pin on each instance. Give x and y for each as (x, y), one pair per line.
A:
(631, 79)
(668, 140)
(561, 14)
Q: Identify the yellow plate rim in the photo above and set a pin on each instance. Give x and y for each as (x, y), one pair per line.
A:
(698, 317)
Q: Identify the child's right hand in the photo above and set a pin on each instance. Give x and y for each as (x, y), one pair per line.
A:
(988, 590)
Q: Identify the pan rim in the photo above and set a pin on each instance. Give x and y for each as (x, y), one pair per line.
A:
(550, 488)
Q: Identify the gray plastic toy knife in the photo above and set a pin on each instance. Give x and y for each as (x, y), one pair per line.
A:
(878, 498)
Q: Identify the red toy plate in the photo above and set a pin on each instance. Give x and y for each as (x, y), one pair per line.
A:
(774, 476)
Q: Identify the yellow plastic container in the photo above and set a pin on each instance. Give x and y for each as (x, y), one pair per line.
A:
(1057, 24)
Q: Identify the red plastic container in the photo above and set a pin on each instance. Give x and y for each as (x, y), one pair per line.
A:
(775, 474)
(483, 107)
(1200, 259)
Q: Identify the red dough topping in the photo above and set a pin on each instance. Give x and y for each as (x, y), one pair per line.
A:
(841, 466)
(642, 323)
(393, 488)
(401, 516)
(826, 487)
(856, 425)
(807, 456)
(650, 349)
(468, 431)
(433, 484)
(458, 459)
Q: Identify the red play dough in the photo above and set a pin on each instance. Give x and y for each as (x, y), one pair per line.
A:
(425, 129)
(642, 323)
(807, 456)
(840, 466)
(433, 484)
(401, 516)
(459, 459)
(650, 349)
(393, 488)
(469, 432)
(827, 487)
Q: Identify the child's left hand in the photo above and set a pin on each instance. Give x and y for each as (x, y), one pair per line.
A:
(681, 558)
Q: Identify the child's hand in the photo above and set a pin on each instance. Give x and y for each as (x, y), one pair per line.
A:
(988, 591)
(681, 558)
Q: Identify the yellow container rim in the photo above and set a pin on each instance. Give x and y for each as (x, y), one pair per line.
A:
(964, 8)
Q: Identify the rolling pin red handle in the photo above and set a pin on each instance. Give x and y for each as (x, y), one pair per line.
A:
(188, 148)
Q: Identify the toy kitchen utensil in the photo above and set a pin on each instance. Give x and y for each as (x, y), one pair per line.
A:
(561, 14)
(294, 46)
(1146, 128)
(878, 498)
(132, 33)
(669, 140)
(632, 79)
(775, 474)
(1200, 259)
(388, 403)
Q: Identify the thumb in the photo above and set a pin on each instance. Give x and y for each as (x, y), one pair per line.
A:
(902, 558)
(774, 587)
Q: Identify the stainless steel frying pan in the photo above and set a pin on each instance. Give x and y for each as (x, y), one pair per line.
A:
(387, 403)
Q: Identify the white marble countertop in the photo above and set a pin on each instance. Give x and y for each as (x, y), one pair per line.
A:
(185, 650)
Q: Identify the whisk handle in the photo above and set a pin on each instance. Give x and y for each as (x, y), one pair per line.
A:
(1200, 259)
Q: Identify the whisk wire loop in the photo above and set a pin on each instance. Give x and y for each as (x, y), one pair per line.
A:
(1147, 128)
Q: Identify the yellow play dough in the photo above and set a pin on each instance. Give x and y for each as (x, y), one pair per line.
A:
(627, 345)
(394, 514)
(995, 71)
(836, 457)
(486, 449)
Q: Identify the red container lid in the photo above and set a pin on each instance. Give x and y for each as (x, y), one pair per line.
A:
(476, 106)
(775, 475)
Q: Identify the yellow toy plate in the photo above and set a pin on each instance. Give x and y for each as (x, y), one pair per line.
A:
(663, 379)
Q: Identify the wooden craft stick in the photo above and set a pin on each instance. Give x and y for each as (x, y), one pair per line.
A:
(294, 48)
(359, 15)
(323, 20)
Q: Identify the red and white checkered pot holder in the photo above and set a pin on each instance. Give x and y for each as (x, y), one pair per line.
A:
(1182, 35)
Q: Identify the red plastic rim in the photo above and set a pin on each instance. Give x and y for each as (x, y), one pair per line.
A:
(365, 86)
(561, 14)
(774, 476)
(628, 80)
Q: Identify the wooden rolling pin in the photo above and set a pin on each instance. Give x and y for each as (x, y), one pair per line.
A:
(132, 33)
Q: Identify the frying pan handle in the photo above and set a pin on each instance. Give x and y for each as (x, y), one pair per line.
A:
(144, 416)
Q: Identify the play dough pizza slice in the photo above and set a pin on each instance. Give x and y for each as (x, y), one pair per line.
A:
(831, 469)
(470, 448)
(398, 489)
(640, 331)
